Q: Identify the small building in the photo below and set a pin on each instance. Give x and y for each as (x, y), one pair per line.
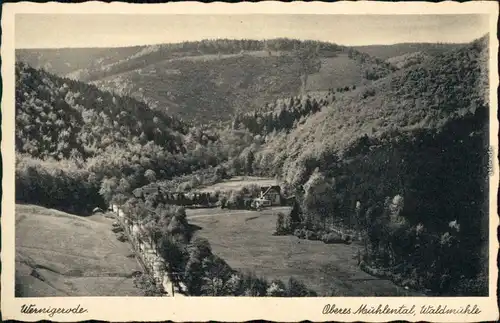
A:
(269, 196)
(271, 193)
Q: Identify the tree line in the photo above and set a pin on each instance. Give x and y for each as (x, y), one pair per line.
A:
(192, 261)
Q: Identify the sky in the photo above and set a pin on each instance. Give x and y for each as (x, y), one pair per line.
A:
(114, 30)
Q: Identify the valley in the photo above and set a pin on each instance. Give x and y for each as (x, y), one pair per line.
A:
(282, 168)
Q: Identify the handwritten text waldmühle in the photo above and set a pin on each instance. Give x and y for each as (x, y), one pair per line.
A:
(384, 309)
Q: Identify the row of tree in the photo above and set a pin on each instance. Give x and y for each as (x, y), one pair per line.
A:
(191, 261)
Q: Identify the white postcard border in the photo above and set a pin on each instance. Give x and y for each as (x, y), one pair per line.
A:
(231, 308)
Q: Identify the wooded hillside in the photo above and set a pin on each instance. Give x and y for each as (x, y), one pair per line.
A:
(403, 160)
(69, 133)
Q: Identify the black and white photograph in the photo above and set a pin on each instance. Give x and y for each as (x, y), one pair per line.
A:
(253, 155)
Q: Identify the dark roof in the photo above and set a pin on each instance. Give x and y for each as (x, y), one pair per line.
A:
(266, 187)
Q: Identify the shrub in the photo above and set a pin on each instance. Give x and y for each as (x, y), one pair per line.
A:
(222, 201)
(472, 287)
(368, 92)
(280, 224)
(311, 235)
(121, 237)
(332, 237)
(276, 288)
(300, 233)
(145, 283)
(297, 288)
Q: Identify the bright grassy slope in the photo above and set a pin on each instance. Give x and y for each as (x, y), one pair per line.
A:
(336, 72)
(244, 239)
(60, 254)
(238, 182)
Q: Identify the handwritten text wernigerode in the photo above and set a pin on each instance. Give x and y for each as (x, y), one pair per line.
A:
(33, 309)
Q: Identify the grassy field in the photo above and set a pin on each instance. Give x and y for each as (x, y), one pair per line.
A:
(238, 182)
(60, 254)
(244, 239)
(335, 72)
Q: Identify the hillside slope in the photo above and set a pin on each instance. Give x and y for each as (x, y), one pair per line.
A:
(424, 96)
(387, 51)
(60, 254)
(200, 80)
(75, 143)
(199, 85)
(418, 137)
(58, 117)
(62, 61)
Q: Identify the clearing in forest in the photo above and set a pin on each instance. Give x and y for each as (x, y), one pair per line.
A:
(238, 182)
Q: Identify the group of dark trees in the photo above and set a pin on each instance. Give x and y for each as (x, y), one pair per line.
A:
(420, 212)
(63, 185)
(155, 194)
(279, 116)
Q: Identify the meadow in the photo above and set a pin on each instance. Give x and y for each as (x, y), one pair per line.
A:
(245, 240)
(60, 254)
(335, 72)
(237, 182)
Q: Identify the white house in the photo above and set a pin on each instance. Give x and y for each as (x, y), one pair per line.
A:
(271, 193)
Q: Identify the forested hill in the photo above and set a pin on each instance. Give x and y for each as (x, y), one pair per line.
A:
(405, 160)
(219, 78)
(200, 80)
(75, 144)
(424, 96)
(59, 118)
